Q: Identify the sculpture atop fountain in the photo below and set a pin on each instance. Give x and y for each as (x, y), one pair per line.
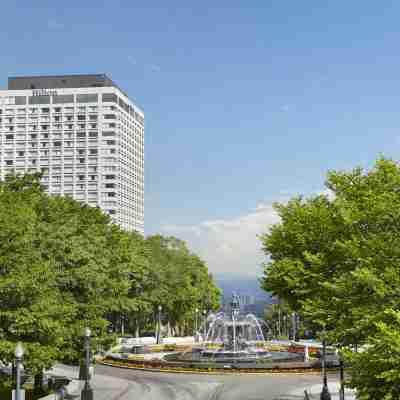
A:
(234, 335)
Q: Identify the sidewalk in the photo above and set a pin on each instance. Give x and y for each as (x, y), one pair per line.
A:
(314, 392)
(104, 387)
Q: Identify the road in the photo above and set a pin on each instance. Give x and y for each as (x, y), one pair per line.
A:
(168, 386)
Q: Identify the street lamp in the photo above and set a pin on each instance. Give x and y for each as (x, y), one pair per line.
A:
(205, 325)
(294, 330)
(285, 326)
(325, 395)
(87, 391)
(341, 390)
(19, 352)
(159, 325)
(195, 324)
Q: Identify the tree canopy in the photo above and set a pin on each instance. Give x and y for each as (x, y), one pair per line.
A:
(65, 265)
(336, 259)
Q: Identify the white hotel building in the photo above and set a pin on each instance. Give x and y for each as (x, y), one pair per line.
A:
(84, 134)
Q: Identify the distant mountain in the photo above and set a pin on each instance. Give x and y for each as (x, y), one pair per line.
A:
(241, 285)
(249, 291)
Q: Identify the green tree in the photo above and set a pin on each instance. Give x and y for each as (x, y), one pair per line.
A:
(180, 283)
(376, 373)
(336, 260)
(278, 318)
(63, 266)
(30, 302)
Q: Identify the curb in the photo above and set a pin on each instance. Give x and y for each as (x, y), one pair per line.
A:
(214, 372)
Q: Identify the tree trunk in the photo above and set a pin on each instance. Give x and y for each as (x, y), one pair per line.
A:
(38, 384)
(169, 329)
(137, 331)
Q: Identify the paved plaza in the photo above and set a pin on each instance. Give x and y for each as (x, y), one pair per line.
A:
(123, 384)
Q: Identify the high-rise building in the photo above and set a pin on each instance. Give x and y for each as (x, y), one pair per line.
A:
(84, 134)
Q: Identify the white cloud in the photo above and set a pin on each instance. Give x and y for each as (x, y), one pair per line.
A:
(229, 245)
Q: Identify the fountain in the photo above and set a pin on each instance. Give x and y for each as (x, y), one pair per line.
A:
(231, 340)
(232, 337)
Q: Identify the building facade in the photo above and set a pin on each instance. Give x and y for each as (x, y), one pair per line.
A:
(85, 136)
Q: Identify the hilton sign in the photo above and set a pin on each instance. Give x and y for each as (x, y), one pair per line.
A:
(44, 92)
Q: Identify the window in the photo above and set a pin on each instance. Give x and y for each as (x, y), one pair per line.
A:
(39, 99)
(110, 97)
(62, 99)
(20, 100)
(123, 105)
(87, 98)
(110, 116)
(9, 162)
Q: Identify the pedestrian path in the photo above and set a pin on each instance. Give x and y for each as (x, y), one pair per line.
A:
(104, 387)
(314, 393)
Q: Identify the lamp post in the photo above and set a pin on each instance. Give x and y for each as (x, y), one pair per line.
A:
(87, 391)
(341, 390)
(159, 325)
(122, 324)
(195, 324)
(19, 352)
(284, 326)
(205, 325)
(325, 395)
(294, 330)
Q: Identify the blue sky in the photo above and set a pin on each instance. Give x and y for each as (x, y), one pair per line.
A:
(246, 102)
